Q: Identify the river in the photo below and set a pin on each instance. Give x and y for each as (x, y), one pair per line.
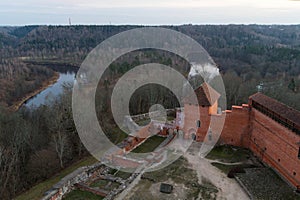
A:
(67, 75)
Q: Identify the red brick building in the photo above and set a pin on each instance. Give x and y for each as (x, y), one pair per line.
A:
(270, 129)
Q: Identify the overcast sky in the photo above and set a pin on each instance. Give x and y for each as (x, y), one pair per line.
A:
(154, 12)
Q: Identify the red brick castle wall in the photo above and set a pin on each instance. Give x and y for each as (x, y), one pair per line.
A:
(245, 126)
(275, 145)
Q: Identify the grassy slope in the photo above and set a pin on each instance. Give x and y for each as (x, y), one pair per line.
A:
(37, 191)
(149, 145)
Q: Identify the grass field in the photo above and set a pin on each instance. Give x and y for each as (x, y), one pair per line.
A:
(100, 183)
(226, 153)
(105, 185)
(227, 168)
(123, 175)
(37, 191)
(116, 135)
(149, 145)
(81, 195)
(264, 183)
(143, 122)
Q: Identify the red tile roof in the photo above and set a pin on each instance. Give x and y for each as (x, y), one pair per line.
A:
(277, 107)
(206, 95)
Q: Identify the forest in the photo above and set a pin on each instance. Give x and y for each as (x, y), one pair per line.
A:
(247, 55)
(37, 143)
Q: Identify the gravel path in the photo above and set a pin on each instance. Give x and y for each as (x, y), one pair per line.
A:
(125, 192)
(228, 188)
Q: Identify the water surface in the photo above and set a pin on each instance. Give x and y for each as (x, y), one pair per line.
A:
(44, 97)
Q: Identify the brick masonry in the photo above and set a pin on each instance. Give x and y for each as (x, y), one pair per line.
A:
(244, 126)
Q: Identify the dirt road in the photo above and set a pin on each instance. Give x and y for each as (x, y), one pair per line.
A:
(228, 188)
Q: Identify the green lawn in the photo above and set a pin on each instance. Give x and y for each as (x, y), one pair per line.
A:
(112, 171)
(143, 122)
(226, 153)
(100, 183)
(123, 175)
(81, 195)
(37, 191)
(149, 145)
(116, 135)
(105, 184)
(227, 168)
(264, 183)
(170, 118)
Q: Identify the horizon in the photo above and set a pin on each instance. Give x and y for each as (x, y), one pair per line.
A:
(155, 12)
(158, 25)
(128, 99)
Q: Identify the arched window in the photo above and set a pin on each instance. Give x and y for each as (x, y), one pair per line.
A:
(194, 137)
(198, 123)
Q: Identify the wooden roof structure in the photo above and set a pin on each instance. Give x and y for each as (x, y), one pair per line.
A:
(277, 110)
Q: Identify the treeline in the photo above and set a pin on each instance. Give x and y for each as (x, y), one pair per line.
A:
(250, 55)
(253, 53)
(145, 96)
(281, 85)
(59, 42)
(35, 144)
(18, 79)
(231, 42)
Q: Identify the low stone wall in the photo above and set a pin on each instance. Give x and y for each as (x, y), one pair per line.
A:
(126, 162)
(67, 183)
(147, 115)
(98, 192)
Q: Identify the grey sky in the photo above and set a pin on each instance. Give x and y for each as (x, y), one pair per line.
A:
(20, 12)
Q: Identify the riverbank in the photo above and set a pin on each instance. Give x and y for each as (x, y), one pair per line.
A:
(17, 105)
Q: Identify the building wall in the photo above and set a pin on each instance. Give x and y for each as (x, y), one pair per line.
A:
(275, 145)
(190, 121)
(236, 126)
(213, 109)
